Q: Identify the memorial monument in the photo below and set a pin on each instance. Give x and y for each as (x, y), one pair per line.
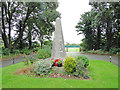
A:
(58, 48)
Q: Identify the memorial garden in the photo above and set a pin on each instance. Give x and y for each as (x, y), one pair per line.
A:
(31, 58)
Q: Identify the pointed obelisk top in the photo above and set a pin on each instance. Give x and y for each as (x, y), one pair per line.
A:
(58, 48)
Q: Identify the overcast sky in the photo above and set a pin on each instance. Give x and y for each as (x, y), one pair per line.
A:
(70, 12)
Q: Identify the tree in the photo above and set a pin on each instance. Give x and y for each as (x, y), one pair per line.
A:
(28, 21)
(101, 26)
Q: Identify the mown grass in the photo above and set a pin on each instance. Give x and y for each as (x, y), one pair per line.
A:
(103, 75)
(72, 49)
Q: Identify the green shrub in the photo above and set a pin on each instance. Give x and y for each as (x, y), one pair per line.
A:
(6, 51)
(92, 52)
(44, 52)
(70, 64)
(98, 51)
(114, 50)
(42, 67)
(35, 49)
(84, 59)
(32, 59)
(22, 51)
(15, 51)
(79, 68)
(28, 59)
(26, 51)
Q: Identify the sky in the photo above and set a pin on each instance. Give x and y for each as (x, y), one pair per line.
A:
(70, 12)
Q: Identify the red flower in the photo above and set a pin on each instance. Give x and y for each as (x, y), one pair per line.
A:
(56, 62)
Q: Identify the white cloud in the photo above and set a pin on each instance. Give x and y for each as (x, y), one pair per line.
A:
(70, 12)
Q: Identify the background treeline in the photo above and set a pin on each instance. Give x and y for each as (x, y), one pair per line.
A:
(101, 27)
(24, 24)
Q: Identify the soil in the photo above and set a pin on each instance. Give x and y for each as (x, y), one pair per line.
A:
(28, 70)
(62, 75)
(24, 71)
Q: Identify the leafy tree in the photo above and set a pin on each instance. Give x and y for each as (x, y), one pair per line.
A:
(28, 21)
(101, 26)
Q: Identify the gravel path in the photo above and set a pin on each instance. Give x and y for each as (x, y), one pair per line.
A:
(91, 57)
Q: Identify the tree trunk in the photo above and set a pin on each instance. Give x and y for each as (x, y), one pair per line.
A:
(29, 39)
(4, 36)
(98, 37)
(41, 41)
(23, 27)
(9, 22)
(108, 36)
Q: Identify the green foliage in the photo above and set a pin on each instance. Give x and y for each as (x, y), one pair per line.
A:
(26, 51)
(37, 25)
(114, 50)
(102, 52)
(28, 59)
(60, 61)
(79, 68)
(32, 59)
(70, 64)
(42, 67)
(15, 51)
(36, 49)
(83, 59)
(100, 31)
(6, 51)
(49, 43)
(44, 52)
(35, 44)
(92, 51)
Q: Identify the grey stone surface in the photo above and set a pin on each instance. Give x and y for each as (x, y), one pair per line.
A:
(58, 48)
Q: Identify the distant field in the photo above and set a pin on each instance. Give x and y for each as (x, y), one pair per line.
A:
(72, 49)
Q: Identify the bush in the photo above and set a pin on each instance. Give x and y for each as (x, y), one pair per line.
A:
(92, 51)
(28, 59)
(70, 64)
(6, 51)
(44, 52)
(42, 67)
(79, 68)
(32, 59)
(22, 51)
(84, 59)
(26, 51)
(35, 49)
(16, 51)
(114, 50)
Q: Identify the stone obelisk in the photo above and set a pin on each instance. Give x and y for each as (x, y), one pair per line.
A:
(58, 48)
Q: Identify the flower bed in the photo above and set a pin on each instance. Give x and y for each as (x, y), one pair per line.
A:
(75, 68)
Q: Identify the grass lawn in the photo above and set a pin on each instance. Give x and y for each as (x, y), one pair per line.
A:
(72, 49)
(103, 73)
